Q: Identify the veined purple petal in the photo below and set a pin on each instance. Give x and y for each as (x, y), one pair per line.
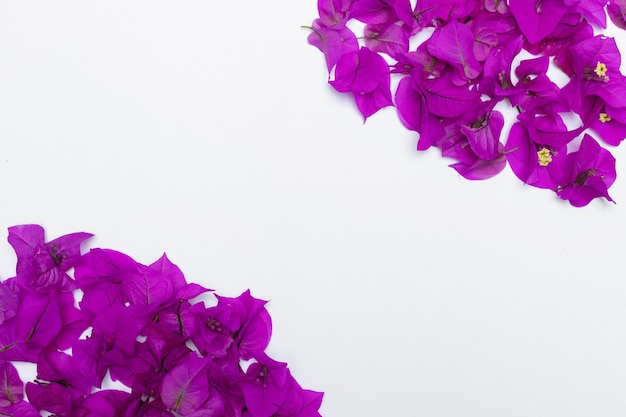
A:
(591, 171)
(485, 39)
(41, 266)
(115, 326)
(11, 386)
(391, 39)
(448, 100)
(369, 103)
(263, 386)
(410, 103)
(186, 387)
(525, 158)
(481, 169)
(484, 135)
(332, 42)
(454, 44)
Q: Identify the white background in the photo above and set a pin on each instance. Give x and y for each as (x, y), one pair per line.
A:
(207, 130)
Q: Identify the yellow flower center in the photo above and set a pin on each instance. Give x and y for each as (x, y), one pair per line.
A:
(604, 117)
(544, 157)
(600, 69)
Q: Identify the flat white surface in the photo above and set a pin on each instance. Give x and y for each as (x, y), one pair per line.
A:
(206, 130)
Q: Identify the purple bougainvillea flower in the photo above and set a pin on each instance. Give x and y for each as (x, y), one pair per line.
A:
(588, 174)
(250, 321)
(483, 134)
(263, 386)
(365, 74)
(36, 324)
(419, 63)
(535, 92)
(570, 30)
(609, 122)
(160, 352)
(414, 113)
(42, 266)
(481, 169)
(54, 397)
(537, 145)
(157, 288)
(389, 39)
(596, 67)
(448, 100)
(454, 44)
(240, 326)
(470, 166)
(332, 42)
(299, 402)
(496, 80)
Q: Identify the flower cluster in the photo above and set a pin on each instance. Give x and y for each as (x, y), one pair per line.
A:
(140, 326)
(450, 84)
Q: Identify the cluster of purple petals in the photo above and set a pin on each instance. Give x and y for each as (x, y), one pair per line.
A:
(140, 326)
(450, 84)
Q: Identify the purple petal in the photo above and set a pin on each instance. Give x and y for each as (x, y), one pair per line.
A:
(448, 100)
(333, 13)
(186, 387)
(537, 18)
(52, 397)
(332, 42)
(454, 44)
(21, 409)
(116, 327)
(392, 39)
(263, 386)
(481, 169)
(8, 302)
(484, 137)
(12, 386)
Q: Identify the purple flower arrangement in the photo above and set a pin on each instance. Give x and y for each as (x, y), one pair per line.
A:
(449, 85)
(142, 326)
